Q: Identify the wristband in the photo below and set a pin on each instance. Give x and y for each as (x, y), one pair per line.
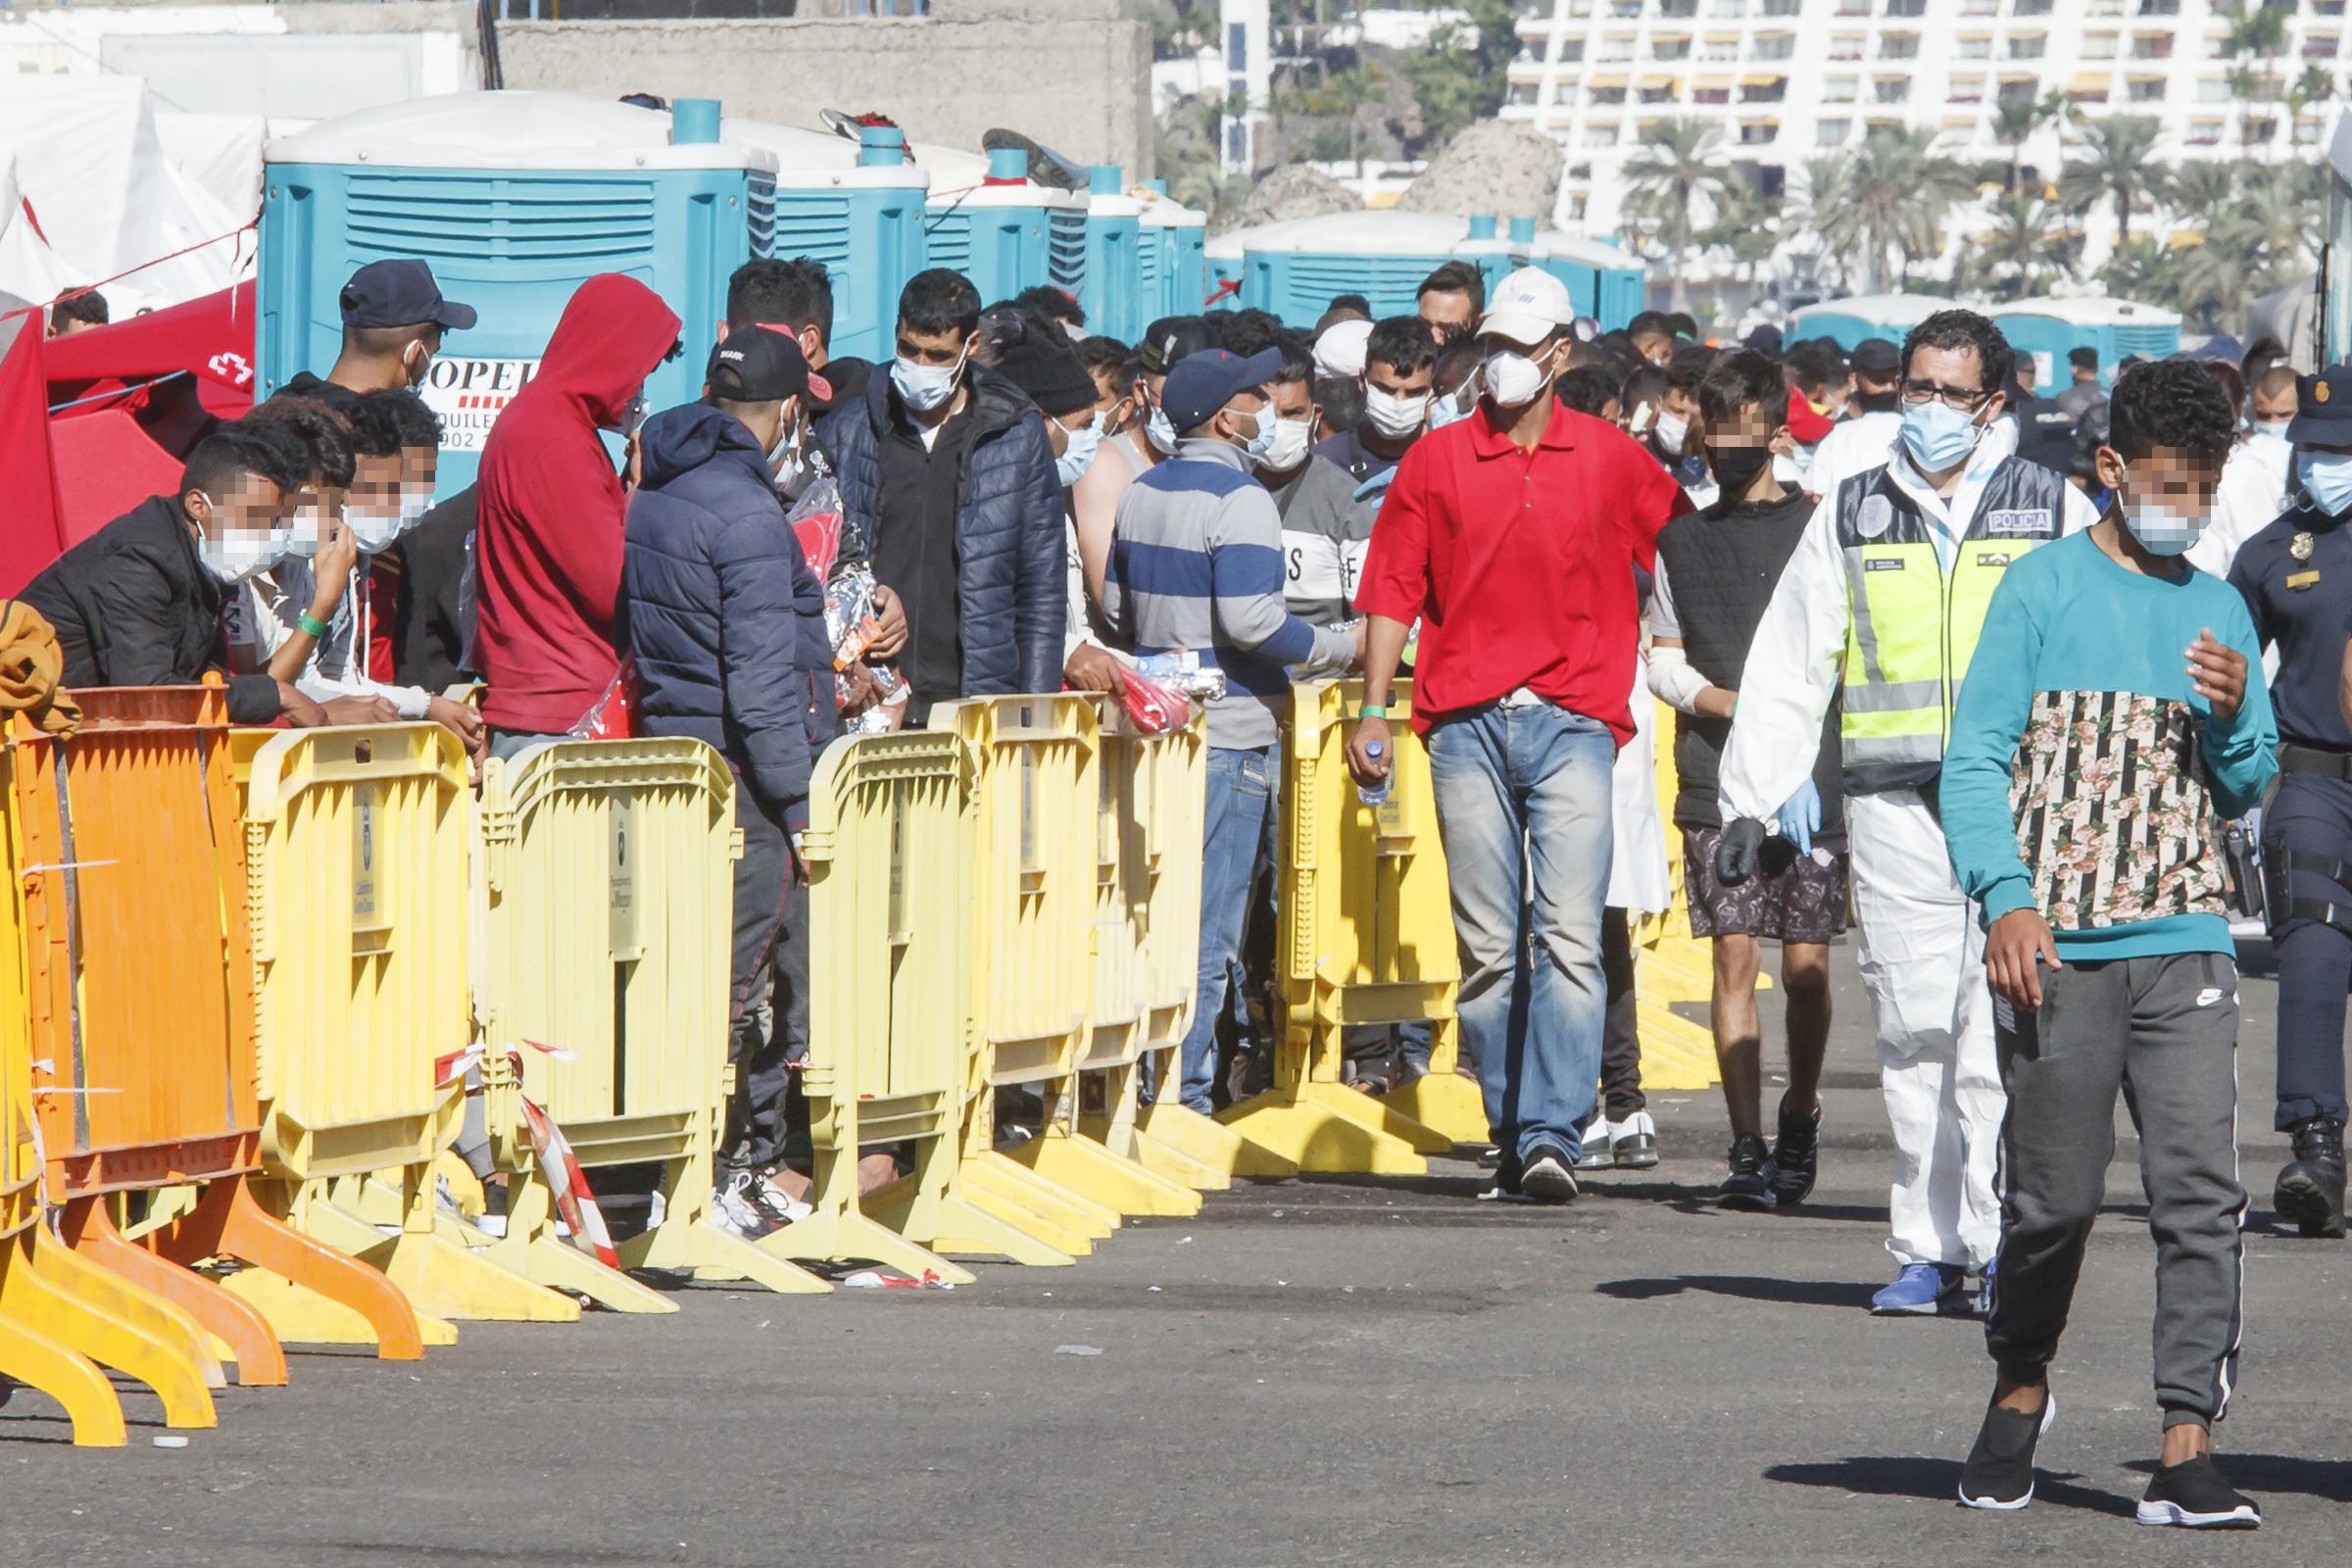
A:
(1372, 710)
(312, 625)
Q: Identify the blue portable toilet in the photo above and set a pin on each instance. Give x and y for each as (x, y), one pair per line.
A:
(2050, 329)
(1171, 260)
(1848, 321)
(987, 220)
(1114, 235)
(514, 199)
(1221, 260)
(1605, 283)
(1485, 246)
(857, 207)
(1294, 269)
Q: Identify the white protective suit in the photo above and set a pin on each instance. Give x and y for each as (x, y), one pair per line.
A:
(2252, 494)
(1921, 944)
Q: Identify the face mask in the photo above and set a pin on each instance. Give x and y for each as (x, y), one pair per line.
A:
(239, 553)
(2327, 478)
(2277, 427)
(374, 529)
(1512, 378)
(413, 507)
(302, 542)
(924, 387)
(634, 414)
(1736, 468)
(1159, 432)
(1078, 453)
(1287, 447)
(1939, 435)
(1445, 411)
(1259, 445)
(1673, 431)
(1394, 416)
(2161, 530)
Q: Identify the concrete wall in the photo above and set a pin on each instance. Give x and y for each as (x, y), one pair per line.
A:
(1073, 74)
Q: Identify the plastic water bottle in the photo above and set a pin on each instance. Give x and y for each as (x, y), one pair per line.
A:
(1377, 793)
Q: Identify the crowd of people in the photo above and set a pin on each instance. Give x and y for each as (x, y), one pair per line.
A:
(1975, 670)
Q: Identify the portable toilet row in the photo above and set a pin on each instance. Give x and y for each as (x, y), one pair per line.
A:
(2049, 329)
(1142, 255)
(988, 221)
(1605, 283)
(1847, 322)
(1171, 260)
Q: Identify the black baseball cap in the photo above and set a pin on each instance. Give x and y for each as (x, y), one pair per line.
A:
(2322, 409)
(400, 293)
(1876, 355)
(757, 366)
(1172, 338)
(1202, 383)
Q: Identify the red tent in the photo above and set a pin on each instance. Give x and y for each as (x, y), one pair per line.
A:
(210, 337)
(106, 464)
(31, 533)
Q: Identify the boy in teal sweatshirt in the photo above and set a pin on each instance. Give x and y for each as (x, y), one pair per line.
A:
(2113, 715)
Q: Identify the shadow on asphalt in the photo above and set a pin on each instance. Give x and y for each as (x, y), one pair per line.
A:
(1746, 1288)
(2259, 1473)
(1938, 1480)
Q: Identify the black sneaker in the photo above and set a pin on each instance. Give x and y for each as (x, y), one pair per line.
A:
(2311, 1190)
(2193, 1494)
(1750, 1184)
(1796, 1158)
(1505, 1188)
(1999, 1472)
(1547, 1175)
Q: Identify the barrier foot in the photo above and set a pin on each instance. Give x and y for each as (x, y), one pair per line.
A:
(112, 1322)
(714, 1254)
(1212, 1141)
(34, 1360)
(1000, 1174)
(310, 1293)
(1162, 1159)
(963, 1226)
(1445, 1103)
(440, 1277)
(835, 1238)
(1089, 1170)
(90, 1229)
(532, 1248)
(1314, 1126)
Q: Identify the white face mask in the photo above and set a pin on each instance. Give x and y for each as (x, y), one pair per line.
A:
(1078, 450)
(2160, 529)
(413, 505)
(1394, 416)
(374, 529)
(1673, 431)
(924, 387)
(1512, 378)
(1289, 447)
(2277, 427)
(308, 534)
(239, 553)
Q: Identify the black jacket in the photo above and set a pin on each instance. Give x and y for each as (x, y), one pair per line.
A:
(1010, 547)
(134, 605)
(719, 605)
(432, 628)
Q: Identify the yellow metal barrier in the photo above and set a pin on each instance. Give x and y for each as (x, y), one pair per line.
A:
(1670, 964)
(893, 855)
(1366, 937)
(607, 875)
(356, 866)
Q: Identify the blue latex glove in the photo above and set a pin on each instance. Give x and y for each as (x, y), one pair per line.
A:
(1800, 817)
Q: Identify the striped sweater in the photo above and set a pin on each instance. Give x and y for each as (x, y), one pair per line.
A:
(1195, 562)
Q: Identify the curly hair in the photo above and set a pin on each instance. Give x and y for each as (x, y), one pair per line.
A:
(2170, 403)
(321, 435)
(1964, 329)
(1587, 389)
(1401, 343)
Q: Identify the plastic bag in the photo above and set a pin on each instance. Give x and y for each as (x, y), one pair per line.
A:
(851, 626)
(1182, 673)
(1156, 707)
(815, 520)
(614, 715)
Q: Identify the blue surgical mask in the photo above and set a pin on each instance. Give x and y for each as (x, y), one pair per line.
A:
(2326, 477)
(2160, 529)
(1939, 435)
(924, 387)
(1078, 452)
(2277, 427)
(1263, 442)
(1455, 405)
(1160, 432)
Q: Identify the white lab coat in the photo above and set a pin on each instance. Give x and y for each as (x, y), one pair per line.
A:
(1920, 944)
(1852, 447)
(2251, 495)
(1637, 865)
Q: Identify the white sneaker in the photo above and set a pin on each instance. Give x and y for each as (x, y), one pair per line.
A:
(1594, 1150)
(1633, 1142)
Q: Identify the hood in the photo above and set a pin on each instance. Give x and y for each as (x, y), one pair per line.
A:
(677, 441)
(613, 332)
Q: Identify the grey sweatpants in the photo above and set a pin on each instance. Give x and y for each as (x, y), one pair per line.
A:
(2164, 1030)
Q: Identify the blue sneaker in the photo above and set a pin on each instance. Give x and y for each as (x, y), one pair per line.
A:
(1920, 1290)
(1985, 1289)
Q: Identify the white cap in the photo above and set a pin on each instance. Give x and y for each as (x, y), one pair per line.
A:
(1340, 351)
(1527, 306)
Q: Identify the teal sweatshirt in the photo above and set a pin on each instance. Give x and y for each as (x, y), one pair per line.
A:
(2085, 777)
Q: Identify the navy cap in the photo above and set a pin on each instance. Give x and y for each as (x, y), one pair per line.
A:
(1202, 383)
(2322, 409)
(400, 293)
(757, 366)
(1876, 355)
(1172, 338)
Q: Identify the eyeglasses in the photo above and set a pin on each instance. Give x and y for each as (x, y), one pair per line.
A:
(1967, 401)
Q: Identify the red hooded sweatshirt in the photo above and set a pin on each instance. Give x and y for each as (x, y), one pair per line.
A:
(548, 545)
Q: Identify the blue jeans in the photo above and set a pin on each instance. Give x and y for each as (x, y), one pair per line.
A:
(1241, 801)
(1523, 807)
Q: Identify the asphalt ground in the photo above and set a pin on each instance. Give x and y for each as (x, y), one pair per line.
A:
(1318, 1371)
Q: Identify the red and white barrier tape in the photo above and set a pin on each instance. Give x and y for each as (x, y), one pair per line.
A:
(575, 1204)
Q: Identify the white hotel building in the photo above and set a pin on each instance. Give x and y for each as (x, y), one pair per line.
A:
(1789, 79)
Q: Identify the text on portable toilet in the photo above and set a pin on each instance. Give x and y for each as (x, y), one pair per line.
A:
(468, 393)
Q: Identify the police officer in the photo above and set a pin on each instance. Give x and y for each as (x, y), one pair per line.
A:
(2296, 576)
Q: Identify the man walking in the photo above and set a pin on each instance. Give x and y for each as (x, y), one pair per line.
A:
(1513, 537)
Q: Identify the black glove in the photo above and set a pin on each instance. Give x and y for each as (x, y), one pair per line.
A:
(1735, 852)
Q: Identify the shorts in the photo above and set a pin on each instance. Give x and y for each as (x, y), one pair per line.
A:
(1791, 898)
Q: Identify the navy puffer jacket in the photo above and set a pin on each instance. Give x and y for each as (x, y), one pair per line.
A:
(721, 607)
(1009, 529)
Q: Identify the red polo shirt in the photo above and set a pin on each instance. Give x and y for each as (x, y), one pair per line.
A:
(1520, 565)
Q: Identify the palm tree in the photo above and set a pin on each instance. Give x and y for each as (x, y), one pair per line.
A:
(2026, 245)
(2135, 270)
(1746, 223)
(2114, 167)
(2015, 122)
(2198, 195)
(2255, 38)
(1889, 199)
(1665, 183)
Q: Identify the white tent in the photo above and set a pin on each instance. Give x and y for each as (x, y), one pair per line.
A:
(29, 270)
(89, 163)
(219, 153)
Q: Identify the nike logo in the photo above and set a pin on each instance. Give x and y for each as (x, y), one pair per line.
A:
(2211, 995)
